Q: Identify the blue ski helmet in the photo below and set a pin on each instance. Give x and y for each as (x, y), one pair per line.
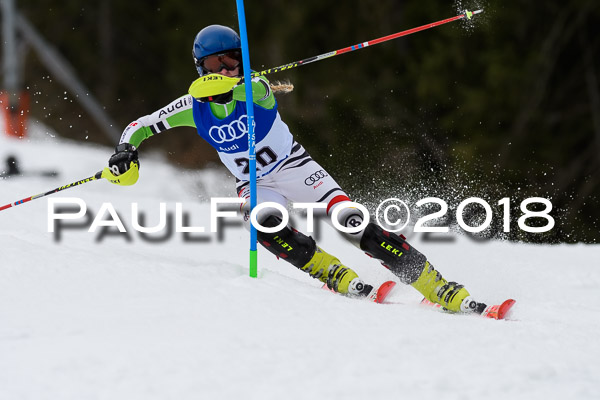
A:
(214, 39)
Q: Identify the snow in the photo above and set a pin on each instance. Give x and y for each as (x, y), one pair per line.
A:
(94, 316)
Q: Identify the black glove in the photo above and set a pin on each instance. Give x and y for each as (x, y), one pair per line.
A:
(119, 162)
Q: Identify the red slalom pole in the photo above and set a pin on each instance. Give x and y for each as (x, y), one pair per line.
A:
(96, 176)
(466, 14)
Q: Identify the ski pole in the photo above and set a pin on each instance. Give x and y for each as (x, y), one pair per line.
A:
(96, 176)
(466, 14)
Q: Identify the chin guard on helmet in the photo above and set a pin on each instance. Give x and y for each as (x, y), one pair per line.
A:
(212, 85)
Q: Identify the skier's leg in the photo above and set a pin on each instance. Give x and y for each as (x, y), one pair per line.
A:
(412, 268)
(302, 251)
(348, 217)
(301, 179)
(317, 186)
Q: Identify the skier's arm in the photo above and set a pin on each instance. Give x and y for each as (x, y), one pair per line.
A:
(123, 165)
(177, 113)
(261, 92)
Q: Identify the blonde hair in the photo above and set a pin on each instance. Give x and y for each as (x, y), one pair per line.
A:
(281, 87)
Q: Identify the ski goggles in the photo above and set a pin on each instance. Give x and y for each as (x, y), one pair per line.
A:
(216, 62)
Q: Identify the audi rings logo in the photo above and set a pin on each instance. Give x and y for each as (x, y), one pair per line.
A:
(228, 133)
(315, 177)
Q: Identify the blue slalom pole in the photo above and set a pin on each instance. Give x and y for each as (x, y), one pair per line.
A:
(251, 137)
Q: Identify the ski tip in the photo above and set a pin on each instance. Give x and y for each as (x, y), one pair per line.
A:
(498, 311)
(505, 308)
(384, 290)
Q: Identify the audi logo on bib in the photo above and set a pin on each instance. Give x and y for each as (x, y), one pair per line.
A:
(315, 177)
(228, 133)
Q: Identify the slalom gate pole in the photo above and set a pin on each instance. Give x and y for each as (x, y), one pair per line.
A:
(251, 138)
(96, 176)
(465, 15)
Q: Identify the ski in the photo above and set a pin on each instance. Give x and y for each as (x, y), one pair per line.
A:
(497, 311)
(377, 295)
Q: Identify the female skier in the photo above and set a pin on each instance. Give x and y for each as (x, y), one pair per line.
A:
(285, 172)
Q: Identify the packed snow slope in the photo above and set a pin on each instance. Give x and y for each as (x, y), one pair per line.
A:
(104, 316)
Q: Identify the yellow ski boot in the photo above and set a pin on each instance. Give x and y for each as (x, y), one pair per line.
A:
(435, 288)
(339, 278)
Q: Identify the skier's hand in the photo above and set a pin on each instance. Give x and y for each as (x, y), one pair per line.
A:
(212, 85)
(120, 162)
(123, 166)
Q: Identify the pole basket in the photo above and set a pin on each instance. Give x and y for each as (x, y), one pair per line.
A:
(14, 110)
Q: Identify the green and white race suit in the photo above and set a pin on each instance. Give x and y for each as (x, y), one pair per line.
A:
(285, 170)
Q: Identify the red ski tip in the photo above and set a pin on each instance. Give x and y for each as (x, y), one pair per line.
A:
(505, 307)
(384, 290)
(498, 311)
